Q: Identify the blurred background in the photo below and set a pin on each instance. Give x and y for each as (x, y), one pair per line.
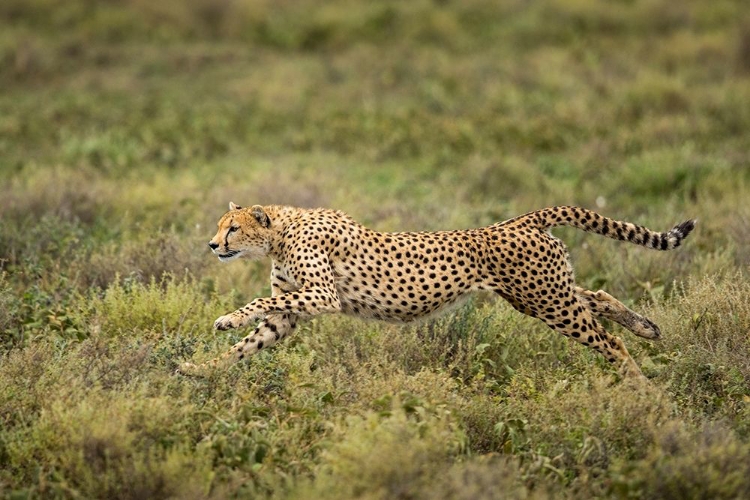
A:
(126, 127)
(124, 117)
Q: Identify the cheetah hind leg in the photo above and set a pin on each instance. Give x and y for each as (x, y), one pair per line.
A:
(606, 306)
(586, 330)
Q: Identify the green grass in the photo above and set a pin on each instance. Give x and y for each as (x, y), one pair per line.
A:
(126, 127)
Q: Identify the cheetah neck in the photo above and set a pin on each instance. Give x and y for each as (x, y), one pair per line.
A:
(282, 217)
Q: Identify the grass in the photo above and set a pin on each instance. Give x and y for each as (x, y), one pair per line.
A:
(126, 128)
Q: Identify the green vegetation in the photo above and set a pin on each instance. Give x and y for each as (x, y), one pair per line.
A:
(127, 126)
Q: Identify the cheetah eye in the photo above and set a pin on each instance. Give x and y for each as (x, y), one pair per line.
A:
(233, 229)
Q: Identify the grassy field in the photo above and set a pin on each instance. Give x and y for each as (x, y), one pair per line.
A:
(126, 126)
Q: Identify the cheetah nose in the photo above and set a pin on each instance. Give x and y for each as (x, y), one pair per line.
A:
(213, 245)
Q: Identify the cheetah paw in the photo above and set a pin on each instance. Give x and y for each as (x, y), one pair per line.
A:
(226, 322)
(190, 370)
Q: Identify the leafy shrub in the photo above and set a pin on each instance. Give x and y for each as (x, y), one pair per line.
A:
(394, 456)
(704, 356)
(709, 462)
(109, 446)
(166, 307)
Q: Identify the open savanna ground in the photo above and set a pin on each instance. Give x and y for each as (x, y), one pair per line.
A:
(126, 127)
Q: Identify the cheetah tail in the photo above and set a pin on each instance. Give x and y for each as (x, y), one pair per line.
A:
(592, 222)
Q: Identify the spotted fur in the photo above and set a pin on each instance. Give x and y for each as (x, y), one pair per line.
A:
(323, 262)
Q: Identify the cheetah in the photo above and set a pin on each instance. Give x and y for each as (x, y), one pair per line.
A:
(324, 262)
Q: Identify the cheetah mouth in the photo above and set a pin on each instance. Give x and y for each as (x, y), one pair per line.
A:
(231, 254)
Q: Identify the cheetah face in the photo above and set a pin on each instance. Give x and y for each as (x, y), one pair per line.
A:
(242, 232)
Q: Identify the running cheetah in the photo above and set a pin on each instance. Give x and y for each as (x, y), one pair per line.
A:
(323, 262)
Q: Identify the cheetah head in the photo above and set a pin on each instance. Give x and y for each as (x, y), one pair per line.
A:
(242, 232)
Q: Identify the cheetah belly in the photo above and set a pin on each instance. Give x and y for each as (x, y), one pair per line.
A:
(397, 296)
(399, 310)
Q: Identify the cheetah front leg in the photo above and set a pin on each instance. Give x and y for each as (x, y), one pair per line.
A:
(280, 313)
(309, 300)
(273, 328)
(606, 306)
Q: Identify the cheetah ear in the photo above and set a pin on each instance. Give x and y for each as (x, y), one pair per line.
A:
(232, 206)
(261, 216)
